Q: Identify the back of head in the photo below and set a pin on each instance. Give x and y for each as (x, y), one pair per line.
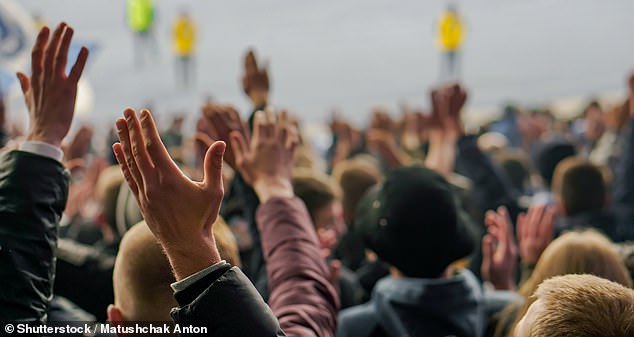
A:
(584, 306)
(586, 252)
(316, 190)
(579, 186)
(107, 192)
(549, 155)
(142, 274)
(142, 277)
(355, 177)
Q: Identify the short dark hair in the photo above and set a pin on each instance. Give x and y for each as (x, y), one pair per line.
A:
(580, 185)
(316, 191)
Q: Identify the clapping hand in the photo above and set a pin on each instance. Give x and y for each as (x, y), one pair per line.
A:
(180, 212)
(266, 161)
(220, 121)
(499, 250)
(535, 232)
(255, 80)
(49, 93)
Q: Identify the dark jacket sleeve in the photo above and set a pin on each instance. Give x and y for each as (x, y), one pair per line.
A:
(624, 188)
(227, 304)
(33, 192)
(301, 295)
(490, 185)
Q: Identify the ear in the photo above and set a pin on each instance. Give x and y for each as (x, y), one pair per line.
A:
(115, 317)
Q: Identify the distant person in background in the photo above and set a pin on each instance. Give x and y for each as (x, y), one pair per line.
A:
(141, 17)
(184, 43)
(450, 38)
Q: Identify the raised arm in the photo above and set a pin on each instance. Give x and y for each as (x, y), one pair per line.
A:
(33, 182)
(301, 294)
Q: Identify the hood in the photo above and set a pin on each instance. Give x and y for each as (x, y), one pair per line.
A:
(430, 307)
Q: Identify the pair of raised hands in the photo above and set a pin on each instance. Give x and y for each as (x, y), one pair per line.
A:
(179, 211)
(500, 250)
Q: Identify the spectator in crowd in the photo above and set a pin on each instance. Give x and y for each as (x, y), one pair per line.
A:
(562, 309)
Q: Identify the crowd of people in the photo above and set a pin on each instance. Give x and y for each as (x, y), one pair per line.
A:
(410, 227)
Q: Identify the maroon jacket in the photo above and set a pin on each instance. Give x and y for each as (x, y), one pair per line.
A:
(301, 294)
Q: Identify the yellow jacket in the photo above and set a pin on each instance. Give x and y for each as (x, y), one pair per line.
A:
(184, 36)
(450, 32)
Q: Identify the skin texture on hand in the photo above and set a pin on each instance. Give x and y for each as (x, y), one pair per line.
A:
(49, 93)
(179, 212)
(535, 232)
(266, 162)
(499, 250)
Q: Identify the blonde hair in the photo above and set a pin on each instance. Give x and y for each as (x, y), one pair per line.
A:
(585, 252)
(142, 273)
(583, 306)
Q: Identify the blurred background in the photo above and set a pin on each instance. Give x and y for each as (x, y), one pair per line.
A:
(343, 55)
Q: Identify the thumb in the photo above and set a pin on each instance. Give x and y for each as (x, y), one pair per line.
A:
(213, 165)
(24, 82)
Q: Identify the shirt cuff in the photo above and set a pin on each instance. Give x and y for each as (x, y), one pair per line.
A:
(191, 279)
(42, 149)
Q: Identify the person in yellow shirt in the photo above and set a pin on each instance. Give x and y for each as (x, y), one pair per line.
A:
(184, 46)
(450, 38)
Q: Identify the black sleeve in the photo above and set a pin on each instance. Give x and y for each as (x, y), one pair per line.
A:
(227, 304)
(33, 193)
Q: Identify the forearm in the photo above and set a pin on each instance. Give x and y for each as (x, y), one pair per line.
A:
(33, 190)
(301, 295)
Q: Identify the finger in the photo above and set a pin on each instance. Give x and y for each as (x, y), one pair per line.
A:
(508, 227)
(52, 48)
(118, 153)
(547, 224)
(212, 179)
(61, 58)
(204, 139)
(521, 226)
(491, 219)
(37, 58)
(137, 142)
(78, 67)
(258, 125)
(487, 256)
(124, 139)
(269, 125)
(24, 82)
(238, 146)
(157, 153)
(534, 222)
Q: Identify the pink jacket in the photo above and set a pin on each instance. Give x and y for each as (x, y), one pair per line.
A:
(301, 294)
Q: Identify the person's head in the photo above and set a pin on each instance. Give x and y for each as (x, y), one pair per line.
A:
(107, 193)
(321, 197)
(579, 186)
(595, 121)
(355, 177)
(142, 274)
(414, 223)
(579, 305)
(549, 155)
(517, 167)
(586, 252)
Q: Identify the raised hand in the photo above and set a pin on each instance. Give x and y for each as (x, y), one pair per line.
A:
(49, 93)
(180, 212)
(499, 250)
(220, 121)
(266, 162)
(80, 145)
(255, 80)
(535, 232)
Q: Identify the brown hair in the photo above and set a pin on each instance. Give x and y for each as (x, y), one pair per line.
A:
(316, 190)
(586, 252)
(583, 306)
(580, 186)
(355, 176)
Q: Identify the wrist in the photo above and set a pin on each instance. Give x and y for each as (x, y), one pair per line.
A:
(190, 257)
(271, 187)
(40, 136)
